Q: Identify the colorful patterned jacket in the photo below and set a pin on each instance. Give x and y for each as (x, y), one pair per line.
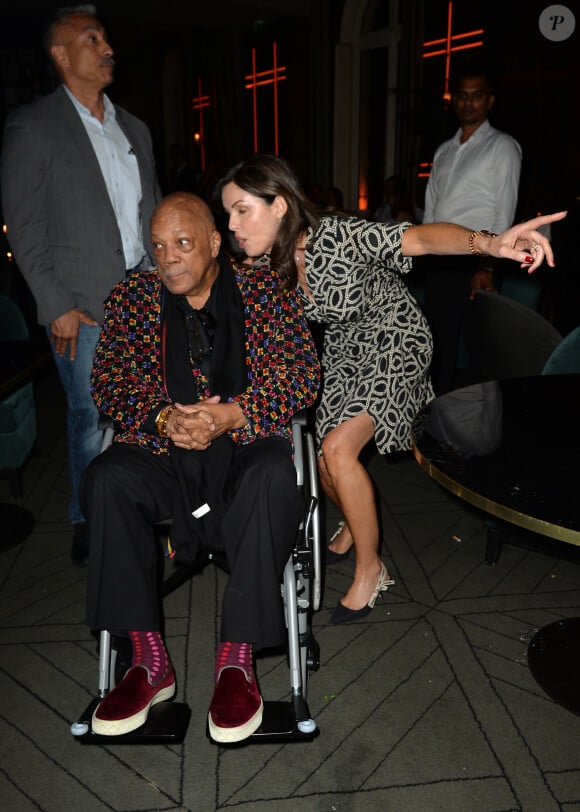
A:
(283, 371)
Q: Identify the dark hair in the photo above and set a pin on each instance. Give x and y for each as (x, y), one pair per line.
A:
(267, 177)
(468, 67)
(56, 19)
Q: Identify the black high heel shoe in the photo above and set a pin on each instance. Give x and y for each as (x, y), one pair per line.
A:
(342, 614)
(330, 556)
(333, 558)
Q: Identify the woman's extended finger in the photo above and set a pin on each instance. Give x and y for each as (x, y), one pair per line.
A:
(543, 220)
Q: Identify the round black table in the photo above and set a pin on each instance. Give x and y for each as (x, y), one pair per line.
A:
(512, 449)
(554, 660)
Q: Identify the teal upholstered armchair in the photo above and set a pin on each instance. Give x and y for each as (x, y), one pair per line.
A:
(17, 410)
(565, 359)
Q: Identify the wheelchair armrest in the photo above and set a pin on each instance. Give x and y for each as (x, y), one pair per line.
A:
(105, 422)
(107, 425)
(300, 417)
(298, 423)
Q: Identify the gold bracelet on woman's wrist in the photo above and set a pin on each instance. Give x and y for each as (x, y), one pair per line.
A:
(472, 241)
(162, 418)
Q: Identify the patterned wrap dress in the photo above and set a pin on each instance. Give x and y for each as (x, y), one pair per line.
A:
(377, 344)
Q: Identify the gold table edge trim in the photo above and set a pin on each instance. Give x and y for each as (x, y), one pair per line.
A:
(495, 508)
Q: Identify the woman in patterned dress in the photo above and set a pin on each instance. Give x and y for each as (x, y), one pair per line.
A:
(377, 345)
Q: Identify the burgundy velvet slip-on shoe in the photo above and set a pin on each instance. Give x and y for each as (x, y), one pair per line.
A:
(126, 707)
(236, 707)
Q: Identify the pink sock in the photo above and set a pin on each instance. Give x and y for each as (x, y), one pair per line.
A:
(233, 654)
(149, 650)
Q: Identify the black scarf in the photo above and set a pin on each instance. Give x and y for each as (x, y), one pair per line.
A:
(201, 474)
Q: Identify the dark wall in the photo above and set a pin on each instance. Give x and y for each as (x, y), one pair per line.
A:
(537, 98)
(151, 52)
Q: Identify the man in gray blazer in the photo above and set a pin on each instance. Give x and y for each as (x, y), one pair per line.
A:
(78, 189)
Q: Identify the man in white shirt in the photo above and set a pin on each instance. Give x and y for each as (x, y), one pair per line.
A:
(474, 182)
(78, 190)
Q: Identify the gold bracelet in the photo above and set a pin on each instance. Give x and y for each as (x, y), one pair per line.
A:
(472, 241)
(162, 418)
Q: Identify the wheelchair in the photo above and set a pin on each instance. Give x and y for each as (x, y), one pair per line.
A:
(283, 721)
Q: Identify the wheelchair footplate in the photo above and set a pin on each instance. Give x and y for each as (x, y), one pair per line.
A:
(167, 723)
(279, 724)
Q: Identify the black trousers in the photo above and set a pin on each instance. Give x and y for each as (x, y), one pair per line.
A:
(127, 490)
(447, 287)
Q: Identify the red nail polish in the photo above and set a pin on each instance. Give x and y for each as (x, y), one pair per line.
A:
(529, 259)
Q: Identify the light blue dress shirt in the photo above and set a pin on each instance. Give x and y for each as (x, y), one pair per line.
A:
(120, 170)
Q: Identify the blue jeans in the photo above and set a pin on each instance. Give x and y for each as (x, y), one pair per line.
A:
(84, 437)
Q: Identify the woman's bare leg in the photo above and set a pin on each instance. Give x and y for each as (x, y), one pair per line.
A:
(348, 484)
(343, 540)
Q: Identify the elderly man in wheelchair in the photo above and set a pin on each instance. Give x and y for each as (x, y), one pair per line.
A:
(201, 365)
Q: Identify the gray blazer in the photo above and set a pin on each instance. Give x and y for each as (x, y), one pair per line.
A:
(61, 224)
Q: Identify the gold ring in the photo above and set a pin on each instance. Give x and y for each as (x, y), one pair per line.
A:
(535, 246)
